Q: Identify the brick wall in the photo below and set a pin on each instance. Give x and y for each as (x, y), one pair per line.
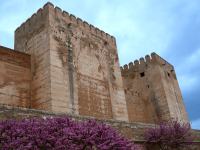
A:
(14, 78)
(74, 66)
(152, 91)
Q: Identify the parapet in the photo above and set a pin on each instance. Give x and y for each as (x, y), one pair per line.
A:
(155, 58)
(15, 57)
(41, 13)
(35, 18)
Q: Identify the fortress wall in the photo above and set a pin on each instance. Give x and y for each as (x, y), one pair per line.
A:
(15, 76)
(158, 96)
(32, 37)
(138, 93)
(84, 69)
(40, 60)
(132, 130)
(174, 96)
(136, 107)
(69, 58)
(158, 86)
(172, 91)
(60, 59)
(180, 100)
(173, 100)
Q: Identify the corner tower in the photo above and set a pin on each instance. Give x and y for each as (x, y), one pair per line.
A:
(74, 66)
(152, 91)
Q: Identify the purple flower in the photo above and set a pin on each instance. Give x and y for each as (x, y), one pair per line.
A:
(59, 133)
(169, 134)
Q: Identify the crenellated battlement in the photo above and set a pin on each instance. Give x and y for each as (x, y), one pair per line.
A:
(70, 18)
(38, 17)
(148, 60)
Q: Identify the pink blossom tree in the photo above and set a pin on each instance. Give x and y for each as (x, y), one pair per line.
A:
(169, 134)
(60, 134)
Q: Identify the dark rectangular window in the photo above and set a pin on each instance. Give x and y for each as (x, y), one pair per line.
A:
(142, 74)
(168, 74)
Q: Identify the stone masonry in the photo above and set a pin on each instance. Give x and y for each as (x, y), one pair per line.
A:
(62, 64)
(152, 91)
(74, 66)
(15, 78)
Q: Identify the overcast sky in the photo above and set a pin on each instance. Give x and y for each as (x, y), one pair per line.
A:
(170, 28)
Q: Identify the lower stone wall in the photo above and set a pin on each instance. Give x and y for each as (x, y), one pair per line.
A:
(132, 130)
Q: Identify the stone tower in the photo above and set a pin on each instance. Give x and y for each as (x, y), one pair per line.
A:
(74, 66)
(152, 91)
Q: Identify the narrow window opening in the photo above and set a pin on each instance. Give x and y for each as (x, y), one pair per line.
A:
(142, 74)
(168, 74)
(148, 86)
